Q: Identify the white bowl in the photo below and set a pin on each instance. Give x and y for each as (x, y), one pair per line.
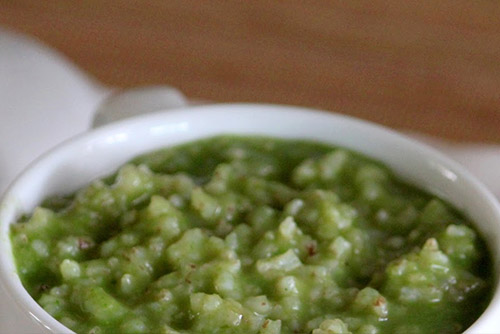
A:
(97, 153)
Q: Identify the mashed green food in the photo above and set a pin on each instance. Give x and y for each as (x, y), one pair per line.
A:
(253, 235)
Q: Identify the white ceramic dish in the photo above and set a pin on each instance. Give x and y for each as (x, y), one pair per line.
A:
(97, 153)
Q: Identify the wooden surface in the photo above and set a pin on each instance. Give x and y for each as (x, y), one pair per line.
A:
(427, 65)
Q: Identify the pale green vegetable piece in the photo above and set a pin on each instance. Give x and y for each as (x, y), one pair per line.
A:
(335, 326)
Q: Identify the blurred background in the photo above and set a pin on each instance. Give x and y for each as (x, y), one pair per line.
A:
(420, 65)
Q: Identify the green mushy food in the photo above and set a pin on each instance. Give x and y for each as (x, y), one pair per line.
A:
(253, 235)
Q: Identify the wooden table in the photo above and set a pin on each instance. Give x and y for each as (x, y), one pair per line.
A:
(425, 65)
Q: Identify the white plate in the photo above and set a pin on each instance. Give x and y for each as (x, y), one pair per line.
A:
(43, 100)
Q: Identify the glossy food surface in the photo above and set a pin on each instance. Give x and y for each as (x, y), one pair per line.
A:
(253, 235)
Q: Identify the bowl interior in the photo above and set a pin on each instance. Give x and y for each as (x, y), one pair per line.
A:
(100, 152)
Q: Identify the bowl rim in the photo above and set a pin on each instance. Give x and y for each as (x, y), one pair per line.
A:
(14, 288)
